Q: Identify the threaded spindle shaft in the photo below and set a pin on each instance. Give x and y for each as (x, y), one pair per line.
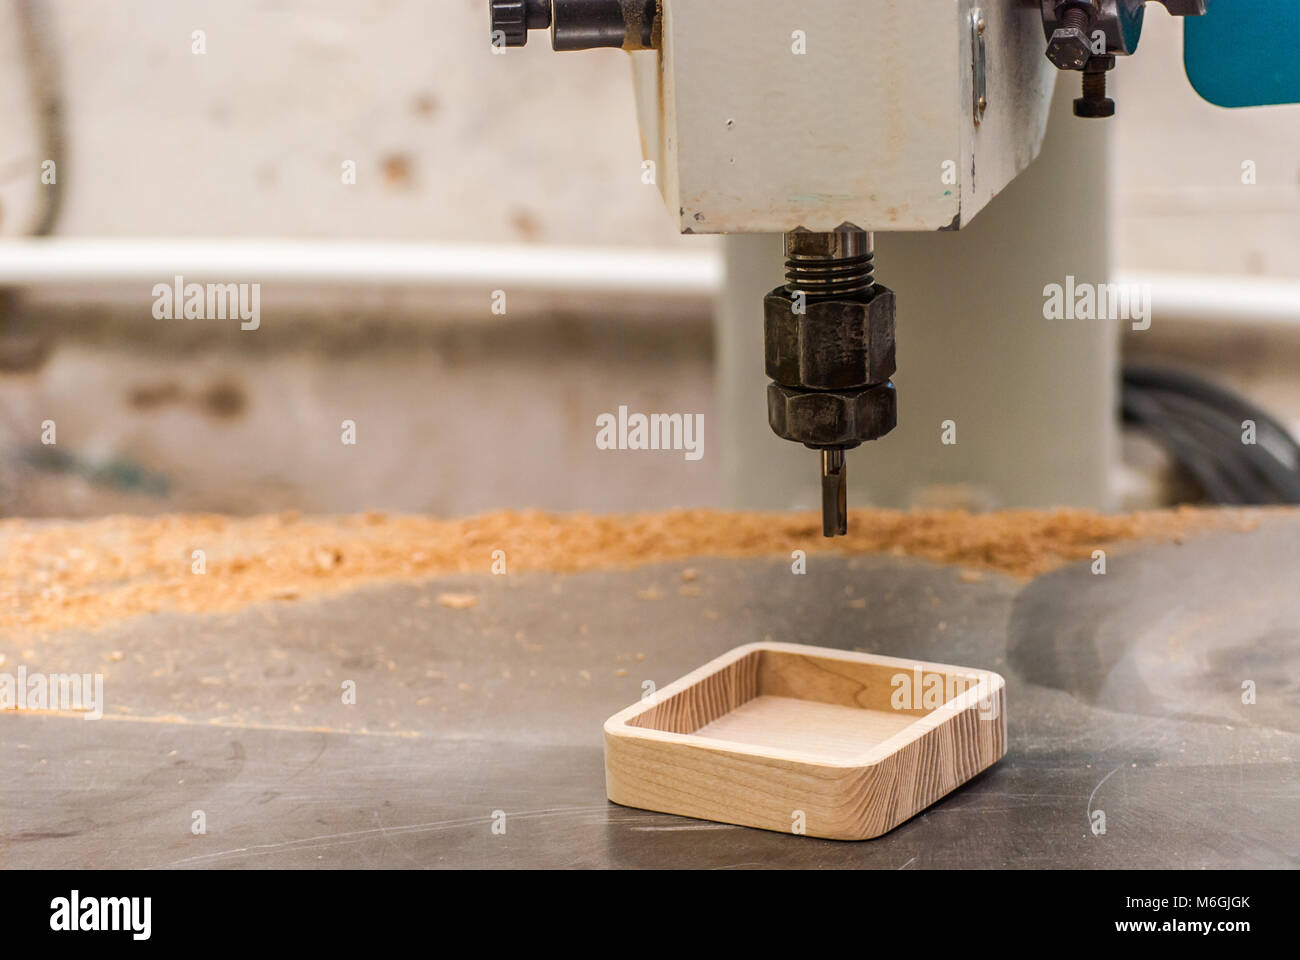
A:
(836, 264)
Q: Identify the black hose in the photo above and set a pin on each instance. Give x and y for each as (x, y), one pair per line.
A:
(1200, 424)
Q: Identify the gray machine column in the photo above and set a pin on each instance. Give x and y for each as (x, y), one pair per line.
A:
(1033, 400)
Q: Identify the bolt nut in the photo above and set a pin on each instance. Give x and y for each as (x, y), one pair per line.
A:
(1069, 48)
(837, 418)
(833, 344)
(1094, 109)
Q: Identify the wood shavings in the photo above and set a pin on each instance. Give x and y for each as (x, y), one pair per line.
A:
(88, 574)
(458, 601)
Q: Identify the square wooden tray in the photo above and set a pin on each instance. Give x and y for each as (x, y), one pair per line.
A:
(828, 743)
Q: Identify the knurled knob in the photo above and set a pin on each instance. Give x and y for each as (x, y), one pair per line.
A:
(512, 19)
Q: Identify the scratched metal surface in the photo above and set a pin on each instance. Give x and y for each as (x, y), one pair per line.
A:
(1124, 696)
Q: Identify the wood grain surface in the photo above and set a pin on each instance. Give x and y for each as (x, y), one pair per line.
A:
(827, 743)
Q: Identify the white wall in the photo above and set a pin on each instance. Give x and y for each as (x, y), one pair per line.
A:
(452, 142)
(1180, 201)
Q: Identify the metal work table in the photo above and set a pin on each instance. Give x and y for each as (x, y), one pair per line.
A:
(1124, 695)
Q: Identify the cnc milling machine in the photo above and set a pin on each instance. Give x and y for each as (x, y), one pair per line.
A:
(829, 120)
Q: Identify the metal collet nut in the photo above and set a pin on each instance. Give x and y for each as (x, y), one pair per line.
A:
(835, 418)
(833, 344)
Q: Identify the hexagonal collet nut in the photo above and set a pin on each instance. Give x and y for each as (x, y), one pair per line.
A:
(833, 344)
(1069, 48)
(833, 418)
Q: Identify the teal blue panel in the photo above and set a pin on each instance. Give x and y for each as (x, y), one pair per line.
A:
(1245, 53)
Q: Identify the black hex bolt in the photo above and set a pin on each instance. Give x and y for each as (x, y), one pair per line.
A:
(1094, 102)
(1070, 46)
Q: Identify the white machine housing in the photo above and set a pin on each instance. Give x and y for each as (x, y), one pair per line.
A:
(876, 124)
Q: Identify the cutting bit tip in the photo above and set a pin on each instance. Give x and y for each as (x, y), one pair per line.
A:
(835, 500)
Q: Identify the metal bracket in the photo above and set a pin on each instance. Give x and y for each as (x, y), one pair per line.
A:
(1118, 21)
(1183, 8)
(979, 65)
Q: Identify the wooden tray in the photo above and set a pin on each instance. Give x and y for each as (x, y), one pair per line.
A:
(828, 743)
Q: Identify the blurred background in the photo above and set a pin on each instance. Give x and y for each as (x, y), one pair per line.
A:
(476, 173)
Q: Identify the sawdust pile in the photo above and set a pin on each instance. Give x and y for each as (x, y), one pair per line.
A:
(91, 573)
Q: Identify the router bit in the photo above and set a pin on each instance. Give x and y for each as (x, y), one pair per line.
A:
(835, 493)
(829, 349)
